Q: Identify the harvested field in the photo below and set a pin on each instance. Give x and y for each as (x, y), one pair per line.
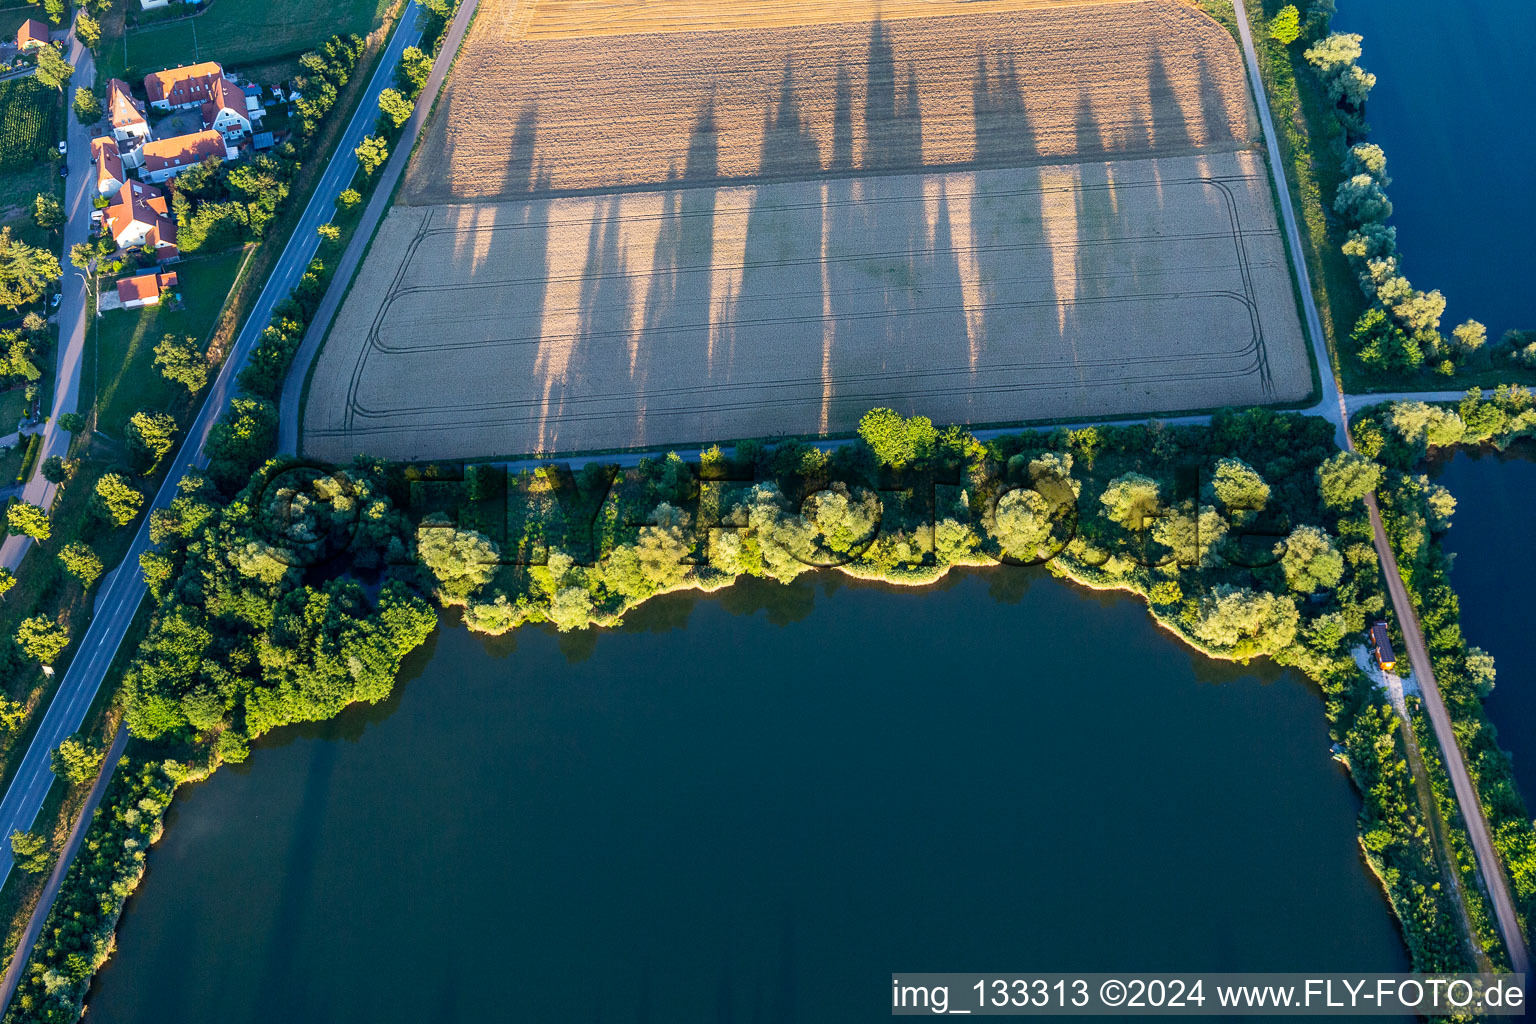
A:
(543, 103)
(688, 315)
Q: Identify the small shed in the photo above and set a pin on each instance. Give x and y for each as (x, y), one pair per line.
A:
(263, 140)
(31, 35)
(1381, 644)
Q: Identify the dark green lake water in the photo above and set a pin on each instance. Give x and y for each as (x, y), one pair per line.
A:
(754, 807)
(1495, 564)
(1452, 109)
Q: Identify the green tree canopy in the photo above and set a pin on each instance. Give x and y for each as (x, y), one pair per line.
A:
(53, 69)
(41, 638)
(151, 436)
(25, 518)
(1239, 487)
(461, 560)
(76, 761)
(1311, 561)
(47, 211)
(26, 271)
(81, 562)
(1347, 477)
(31, 852)
(897, 441)
(372, 152)
(395, 106)
(116, 500)
(181, 360)
(1285, 26)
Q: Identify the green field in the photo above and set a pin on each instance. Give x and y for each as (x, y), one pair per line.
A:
(127, 379)
(29, 122)
(242, 34)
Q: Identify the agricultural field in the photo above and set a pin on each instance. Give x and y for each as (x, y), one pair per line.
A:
(29, 122)
(244, 34)
(623, 230)
(1038, 85)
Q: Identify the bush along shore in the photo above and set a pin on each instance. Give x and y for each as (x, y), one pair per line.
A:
(1398, 336)
(1416, 513)
(301, 592)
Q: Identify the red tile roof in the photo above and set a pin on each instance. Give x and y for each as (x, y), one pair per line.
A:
(109, 160)
(144, 204)
(183, 150)
(121, 106)
(31, 31)
(182, 85)
(134, 289)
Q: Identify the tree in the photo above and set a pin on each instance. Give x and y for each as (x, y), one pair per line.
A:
(1311, 561)
(52, 68)
(150, 437)
(181, 360)
(1369, 159)
(1382, 345)
(1470, 337)
(1345, 478)
(55, 10)
(73, 422)
(395, 106)
(81, 562)
(896, 441)
(81, 254)
(1361, 199)
(348, 198)
(412, 72)
(1332, 54)
(329, 232)
(26, 271)
(462, 560)
(1131, 499)
(241, 440)
(87, 106)
(55, 469)
(1240, 623)
(47, 211)
(24, 518)
(1239, 487)
(30, 852)
(41, 638)
(1285, 26)
(76, 761)
(116, 501)
(87, 29)
(7, 580)
(372, 152)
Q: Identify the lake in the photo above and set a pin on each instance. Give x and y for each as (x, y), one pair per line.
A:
(1451, 109)
(755, 806)
(1495, 563)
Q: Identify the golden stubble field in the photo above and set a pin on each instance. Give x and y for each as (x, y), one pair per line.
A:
(1039, 84)
(664, 318)
(623, 229)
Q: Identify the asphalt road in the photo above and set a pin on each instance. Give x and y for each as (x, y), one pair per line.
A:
(72, 306)
(124, 589)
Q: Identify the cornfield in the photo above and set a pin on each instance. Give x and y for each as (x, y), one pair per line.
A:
(29, 122)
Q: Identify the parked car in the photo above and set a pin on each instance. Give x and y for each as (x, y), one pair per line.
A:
(63, 170)
(63, 146)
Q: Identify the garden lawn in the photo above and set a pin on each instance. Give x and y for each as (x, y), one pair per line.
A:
(127, 379)
(12, 404)
(242, 33)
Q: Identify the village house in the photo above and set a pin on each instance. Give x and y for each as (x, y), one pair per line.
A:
(125, 112)
(110, 175)
(146, 289)
(1381, 645)
(140, 216)
(183, 88)
(166, 158)
(227, 110)
(31, 35)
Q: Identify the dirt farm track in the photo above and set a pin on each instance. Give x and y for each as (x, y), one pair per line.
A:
(623, 229)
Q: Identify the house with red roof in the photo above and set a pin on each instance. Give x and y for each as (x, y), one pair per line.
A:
(110, 175)
(146, 289)
(166, 158)
(139, 215)
(31, 35)
(227, 110)
(125, 112)
(184, 87)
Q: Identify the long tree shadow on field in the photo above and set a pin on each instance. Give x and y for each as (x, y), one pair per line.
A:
(1003, 135)
(893, 129)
